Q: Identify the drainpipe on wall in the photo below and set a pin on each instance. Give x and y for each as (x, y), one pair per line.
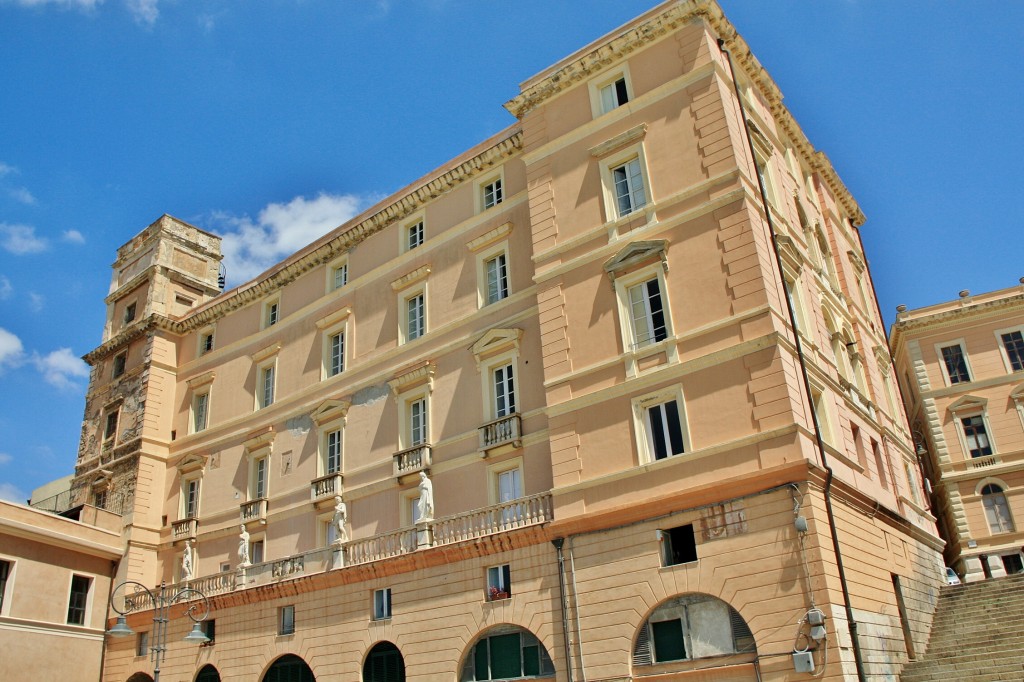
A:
(110, 593)
(851, 622)
(558, 543)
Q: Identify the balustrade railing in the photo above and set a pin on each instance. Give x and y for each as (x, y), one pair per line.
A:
(501, 431)
(185, 529)
(518, 513)
(412, 460)
(325, 487)
(983, 462)
(254, 510)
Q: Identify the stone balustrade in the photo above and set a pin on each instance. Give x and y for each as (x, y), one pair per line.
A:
(503, 430)
(412, 460)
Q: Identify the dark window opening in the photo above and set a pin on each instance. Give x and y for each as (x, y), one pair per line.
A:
(678, 545)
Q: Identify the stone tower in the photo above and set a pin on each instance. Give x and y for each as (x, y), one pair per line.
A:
(161, 274)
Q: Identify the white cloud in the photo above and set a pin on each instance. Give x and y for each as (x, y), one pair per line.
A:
(20, 239)
(11, 493)
(145, 12)
(4, 458)
(6, 289)
(36, 302)
(73, 236)
(251, 246)
(61, 368)
(10, 349)
(6, 169)
(22, 195)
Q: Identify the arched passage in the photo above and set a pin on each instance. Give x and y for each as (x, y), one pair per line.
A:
(140, 677)
(384, 663)
(289, 668)
(689, 627)
(208, 674)
(507, 652)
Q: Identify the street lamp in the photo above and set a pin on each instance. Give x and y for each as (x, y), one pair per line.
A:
(194, 600)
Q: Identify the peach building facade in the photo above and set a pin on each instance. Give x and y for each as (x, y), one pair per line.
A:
(583, 403)
(962, 367)
(55, 575)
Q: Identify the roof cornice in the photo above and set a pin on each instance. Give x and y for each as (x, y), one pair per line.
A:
(642, 34)
(953, 316)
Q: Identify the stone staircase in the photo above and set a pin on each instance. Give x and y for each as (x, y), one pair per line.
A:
(977, 635)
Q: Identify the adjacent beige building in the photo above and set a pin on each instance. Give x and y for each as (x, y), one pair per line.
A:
(55, 575)
(582, 403)
(962, 367)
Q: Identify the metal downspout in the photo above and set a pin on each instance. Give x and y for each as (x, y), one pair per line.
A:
(852, 624)
(558, 543)
(576, 608)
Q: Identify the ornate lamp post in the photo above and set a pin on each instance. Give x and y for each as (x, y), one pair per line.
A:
(197, 608)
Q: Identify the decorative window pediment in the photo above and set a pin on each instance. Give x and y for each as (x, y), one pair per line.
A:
(630, 136)
(416, 275)
(761, 143)
(334, 318)
(417, 376)
(1017, 394)
(637, 254)
(968, 403)
(265, 353)
(201, 380)
(496, 341)
(789, 252)
(489, 237)
(191, 463)
(882, 355)
(329, 411)
(857, 262)
(260, 442)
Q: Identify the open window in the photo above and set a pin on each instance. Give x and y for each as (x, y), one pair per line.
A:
(691, 627)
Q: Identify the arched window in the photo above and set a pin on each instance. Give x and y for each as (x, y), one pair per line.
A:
(384, 664)
(838, 344)
(825, 253)
(208, 674)
(997, 510)
(289, 668)
(689, 627)
(507, 653)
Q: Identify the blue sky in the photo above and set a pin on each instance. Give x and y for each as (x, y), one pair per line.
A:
(272, 122)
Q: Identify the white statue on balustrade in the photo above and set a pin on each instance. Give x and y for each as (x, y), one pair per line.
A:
(426, 501)
(340, 521)
(186, 562)
(243, 548)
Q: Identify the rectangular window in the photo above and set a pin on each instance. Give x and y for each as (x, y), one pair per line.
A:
(499, 582)
(413, 506)
(669, 644)
(504, 391)
(664, 430)
(120, 360)
(647, 313)
(142, 644)
(678, 545)
(286, 620)
(510, 488)
(339, 276)
(259, 481)
(190, 508)
(492, 194)
(256, 553)
(5, 573)
(956, 364)
(497, 279)
(336, 364)
(110, 429)
(414, 235)
(332, 462)
(382, 604)
(129, 313)
(78, 599)
(978, 444)
(418, 422)
(210, 630)
(628, 182)
(206, 343)
(415, 316)
(271, 314)
(265, 391)
(1013, 343)
(876, 450)
(200, 411)
(614, 95)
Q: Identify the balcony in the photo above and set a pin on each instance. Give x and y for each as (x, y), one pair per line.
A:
(325, 487)
(412, 460)
(983, 462)
(185, 529)
(502, 431)
(465, 527)
(254, 510)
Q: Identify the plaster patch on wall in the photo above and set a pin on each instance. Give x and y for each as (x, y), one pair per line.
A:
(371, 394)
(723, 521)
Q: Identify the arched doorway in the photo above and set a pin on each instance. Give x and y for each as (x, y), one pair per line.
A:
(384, 663)
(208, 674)
(289, 668)
(507, 652)
(140, 677)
